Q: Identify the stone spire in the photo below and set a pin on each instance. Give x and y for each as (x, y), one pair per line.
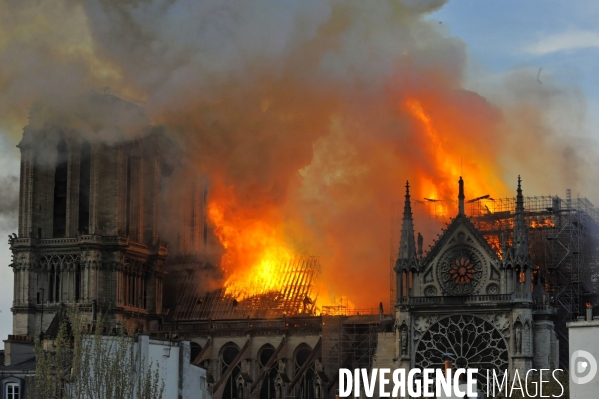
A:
(407, 245)
(461, 198)
(520, 230)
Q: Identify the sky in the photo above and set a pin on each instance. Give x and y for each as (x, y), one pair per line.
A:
(554, 42)
(561, 39)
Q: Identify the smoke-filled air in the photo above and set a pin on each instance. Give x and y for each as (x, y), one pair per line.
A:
(307, 119)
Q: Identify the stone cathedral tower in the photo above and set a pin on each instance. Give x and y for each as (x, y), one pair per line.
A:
(88, 206)
(465, 299)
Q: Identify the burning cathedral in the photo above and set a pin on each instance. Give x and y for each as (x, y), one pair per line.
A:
(465, 299)
(88, 236)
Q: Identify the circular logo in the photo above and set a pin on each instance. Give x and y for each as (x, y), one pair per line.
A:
(583, 367)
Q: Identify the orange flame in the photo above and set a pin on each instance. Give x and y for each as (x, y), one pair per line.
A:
(254, 238)
(256, 245)
(495, 243)
(537, 224)
(441, 157)
(445, 149)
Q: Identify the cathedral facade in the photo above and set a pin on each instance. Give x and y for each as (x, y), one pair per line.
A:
(466, 301)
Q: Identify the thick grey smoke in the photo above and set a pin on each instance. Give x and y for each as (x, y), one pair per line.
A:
(9, 202)
(307, 117)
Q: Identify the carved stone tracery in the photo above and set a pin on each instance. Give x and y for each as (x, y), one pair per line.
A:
(68, 261)
(460, 271)
(475, 343)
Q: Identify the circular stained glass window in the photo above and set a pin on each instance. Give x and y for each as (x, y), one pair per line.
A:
(460, 271)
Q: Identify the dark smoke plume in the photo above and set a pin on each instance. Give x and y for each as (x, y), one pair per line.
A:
(306, 117)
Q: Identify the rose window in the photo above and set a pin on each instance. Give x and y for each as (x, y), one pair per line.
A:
(460, 271)
(473, 342)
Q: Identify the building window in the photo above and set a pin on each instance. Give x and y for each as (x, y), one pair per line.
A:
(60, 190)
(77, 283)
(51, 285)
(305, 388)
(128, 207)
(12, 391)
(54, 284)
(132, 290)
(84, 187)
(228, 355)
(268, 390)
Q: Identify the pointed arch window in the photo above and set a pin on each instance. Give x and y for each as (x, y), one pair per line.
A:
(268, 388)
(305, 387)
(57, 284)
(51, 285)
(84, 187)
(54, 284)
(60, 190)
(228, 355)
(77, 283)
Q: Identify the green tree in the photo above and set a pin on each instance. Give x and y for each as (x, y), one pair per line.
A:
(77, 364)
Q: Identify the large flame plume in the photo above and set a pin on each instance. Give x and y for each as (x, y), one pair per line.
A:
(256, 246)
(307, 119)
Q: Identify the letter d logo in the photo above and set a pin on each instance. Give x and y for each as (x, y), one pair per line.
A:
(581, 363)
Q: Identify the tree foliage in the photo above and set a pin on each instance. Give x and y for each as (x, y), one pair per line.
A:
(81, 364)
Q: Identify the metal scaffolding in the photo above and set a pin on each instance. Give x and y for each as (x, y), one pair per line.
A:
(563, 242)
(348, 342)
(358, 341)
(331, 345)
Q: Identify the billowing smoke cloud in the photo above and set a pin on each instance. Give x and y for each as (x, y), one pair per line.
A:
(9, 197)
(307, 117)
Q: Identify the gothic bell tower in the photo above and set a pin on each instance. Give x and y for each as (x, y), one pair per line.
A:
(87, 230)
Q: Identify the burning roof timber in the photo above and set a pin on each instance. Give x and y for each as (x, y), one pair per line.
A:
(295, 292)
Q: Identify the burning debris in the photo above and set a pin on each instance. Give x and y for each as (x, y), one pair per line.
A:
(293, 290)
